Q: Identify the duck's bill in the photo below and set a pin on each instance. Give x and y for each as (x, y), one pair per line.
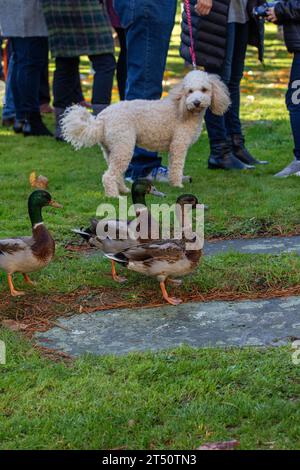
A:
(157, 193)
(53, 203)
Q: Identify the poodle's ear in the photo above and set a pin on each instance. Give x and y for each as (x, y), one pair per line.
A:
(220, 100)
(177, 92)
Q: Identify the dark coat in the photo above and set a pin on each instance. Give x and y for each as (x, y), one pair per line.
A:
(288, 14)
(210, 33)
(78, 27)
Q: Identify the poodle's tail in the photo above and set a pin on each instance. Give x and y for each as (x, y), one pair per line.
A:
(81, 128)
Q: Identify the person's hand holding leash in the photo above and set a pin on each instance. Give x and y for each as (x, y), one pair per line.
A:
(271, 15)
(203, 7)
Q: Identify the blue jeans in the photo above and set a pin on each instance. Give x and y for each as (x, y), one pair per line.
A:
(293, 102)
(30, 55)
(149, 25)
(9, 111)
(221, 127)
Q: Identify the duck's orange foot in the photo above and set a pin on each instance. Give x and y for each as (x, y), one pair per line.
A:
(13, 291)
(28, 280)
(115, 277)
(119, 279)
(17, 293)
(173, 301)
(170, 300)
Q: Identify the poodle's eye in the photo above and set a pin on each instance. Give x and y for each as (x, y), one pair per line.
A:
(204, 90)
(191, 91)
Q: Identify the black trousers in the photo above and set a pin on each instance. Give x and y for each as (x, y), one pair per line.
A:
(30, 60)
(122, 63)
(66, 83)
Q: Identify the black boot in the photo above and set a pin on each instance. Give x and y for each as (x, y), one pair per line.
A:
(240, 151)
(34, 126)
(18, 126)
(221, 157)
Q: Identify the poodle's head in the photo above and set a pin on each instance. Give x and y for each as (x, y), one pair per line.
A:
(199, 91)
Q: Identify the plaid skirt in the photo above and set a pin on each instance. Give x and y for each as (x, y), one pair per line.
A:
(78, 27)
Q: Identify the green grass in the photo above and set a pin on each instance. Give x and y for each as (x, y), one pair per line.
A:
(175, 399)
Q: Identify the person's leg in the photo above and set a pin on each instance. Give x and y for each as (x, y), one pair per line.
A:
(147, 37)
(34, 61)
(122, 63)
(65, 82)
(216, 127)
(29, 72)
(293, 105)
(9, 111)
(66, 88)
(18, 55)
(104, 67)
(1, 58)
(239, 48)
(232, 117)
(44, 94)
(221, 156)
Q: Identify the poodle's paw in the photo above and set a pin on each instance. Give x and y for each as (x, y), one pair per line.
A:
(110, 185)
(112, 192)
(176, 182)
(124, 190)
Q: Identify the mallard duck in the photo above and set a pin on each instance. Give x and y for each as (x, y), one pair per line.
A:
(163, 259)
(124, 231)
(29, 254)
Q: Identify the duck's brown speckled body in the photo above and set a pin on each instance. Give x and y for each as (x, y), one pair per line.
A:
(29, 254)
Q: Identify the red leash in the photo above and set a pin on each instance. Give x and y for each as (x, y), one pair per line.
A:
(189, 20)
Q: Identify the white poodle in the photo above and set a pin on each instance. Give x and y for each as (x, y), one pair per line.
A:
(171, 124)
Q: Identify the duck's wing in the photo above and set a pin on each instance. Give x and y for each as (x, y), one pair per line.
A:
(166, 249)
(9, 246)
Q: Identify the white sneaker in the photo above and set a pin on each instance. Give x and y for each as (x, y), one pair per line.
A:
(292, 169)
(161, 174)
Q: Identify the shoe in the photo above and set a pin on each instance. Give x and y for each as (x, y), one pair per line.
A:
(159, 174)
(34, 126)
(18, 126)
(292, 169)
(8, 122)
(221, 157)
(240, 151)
(45, 108)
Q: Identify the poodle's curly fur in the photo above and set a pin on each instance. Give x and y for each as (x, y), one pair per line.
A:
(171, 124)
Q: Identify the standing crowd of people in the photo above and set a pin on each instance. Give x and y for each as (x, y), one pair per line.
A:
(221, 30)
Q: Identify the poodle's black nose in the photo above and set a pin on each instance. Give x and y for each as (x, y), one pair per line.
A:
(197, 103)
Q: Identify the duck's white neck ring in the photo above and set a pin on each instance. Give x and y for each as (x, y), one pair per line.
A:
(37, 225)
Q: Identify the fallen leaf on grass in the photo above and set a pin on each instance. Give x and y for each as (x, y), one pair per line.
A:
(225, 445)
(14, 325)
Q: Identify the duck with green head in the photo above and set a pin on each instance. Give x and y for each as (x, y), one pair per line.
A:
(29, 254)
(122, 229)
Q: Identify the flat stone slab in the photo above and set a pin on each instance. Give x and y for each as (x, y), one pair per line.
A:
(272, 245)
(271, 322)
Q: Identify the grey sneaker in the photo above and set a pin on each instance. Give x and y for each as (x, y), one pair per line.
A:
(292, 169)
(161, 174)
